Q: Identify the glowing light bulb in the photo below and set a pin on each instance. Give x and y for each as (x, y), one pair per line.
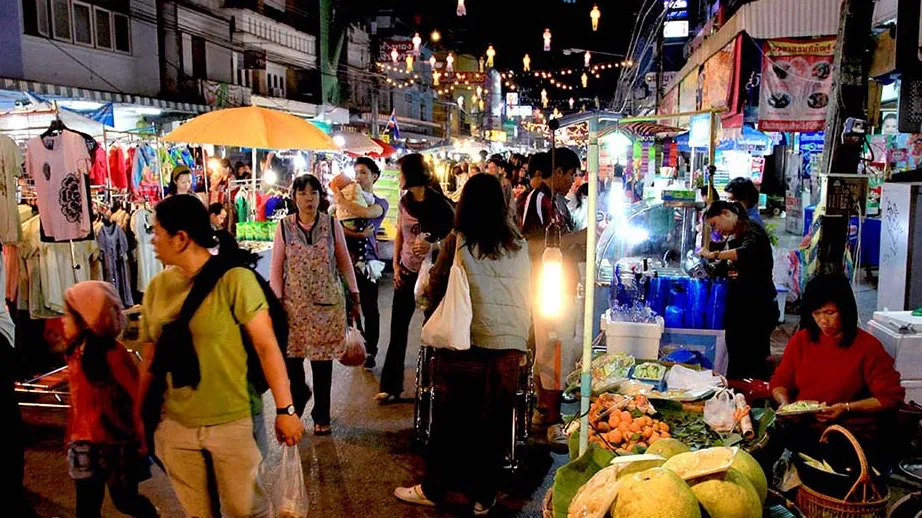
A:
(436, 36)
(270, 177)
(449, 62)
(550, 284)
(339, 140)
(394, 55)
(461, 11)
(586, 57)
(594, 15)
(416, 42)
(409, 63)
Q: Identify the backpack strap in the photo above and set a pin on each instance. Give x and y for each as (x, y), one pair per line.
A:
(203, 284)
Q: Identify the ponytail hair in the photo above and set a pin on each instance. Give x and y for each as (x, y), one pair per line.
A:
(718, 206)
(188, 214)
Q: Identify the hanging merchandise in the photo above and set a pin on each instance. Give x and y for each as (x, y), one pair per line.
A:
(100, 171)
(10, 171)
(148, 264)
(113, 248)
(526, 63)
(449, 62)
(59, 164)
(462, 11)
(594, 15)
(547, 40)
(118, 167)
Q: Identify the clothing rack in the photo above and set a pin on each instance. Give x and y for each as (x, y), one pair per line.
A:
(145, 135)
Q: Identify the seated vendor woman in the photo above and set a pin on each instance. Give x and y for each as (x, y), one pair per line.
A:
(831, 360)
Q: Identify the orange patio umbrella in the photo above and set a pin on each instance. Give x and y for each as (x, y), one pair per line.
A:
(252, 127)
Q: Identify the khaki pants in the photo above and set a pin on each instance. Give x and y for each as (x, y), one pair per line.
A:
(235, 460)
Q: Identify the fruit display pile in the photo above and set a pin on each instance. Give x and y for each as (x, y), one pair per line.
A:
(624, 423)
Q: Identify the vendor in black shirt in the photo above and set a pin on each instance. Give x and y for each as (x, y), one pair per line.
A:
(751, 311)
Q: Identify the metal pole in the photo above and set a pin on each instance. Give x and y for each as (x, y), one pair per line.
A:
(592, 175)
(253, 175)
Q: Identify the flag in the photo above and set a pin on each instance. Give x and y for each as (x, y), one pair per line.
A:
(392, 124)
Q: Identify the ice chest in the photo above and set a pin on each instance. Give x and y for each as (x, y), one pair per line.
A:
(711, 343)
(640, 340)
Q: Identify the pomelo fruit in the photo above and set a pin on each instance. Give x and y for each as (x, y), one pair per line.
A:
(730, 495)
(667, 448)
(747, 465)
(655, 493)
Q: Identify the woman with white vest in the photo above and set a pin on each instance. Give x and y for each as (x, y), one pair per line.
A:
(475, 389)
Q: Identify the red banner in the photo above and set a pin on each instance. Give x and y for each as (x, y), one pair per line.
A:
(796, 84)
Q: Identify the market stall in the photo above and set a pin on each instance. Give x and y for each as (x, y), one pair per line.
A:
(254, 128)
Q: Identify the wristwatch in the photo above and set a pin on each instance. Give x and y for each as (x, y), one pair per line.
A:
(288, 410)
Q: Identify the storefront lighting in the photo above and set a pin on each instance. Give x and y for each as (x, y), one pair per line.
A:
(633, 235)
(461, 102)
(594, 15)
(550, 282)
(547, 40)
(526, 63)
(270, 177)
(214, 164)
(435, 78)
(491, 53)
(339, 140)
(479, 91)
(300, 162)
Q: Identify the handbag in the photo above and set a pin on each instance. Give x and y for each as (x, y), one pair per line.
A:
(449, 327)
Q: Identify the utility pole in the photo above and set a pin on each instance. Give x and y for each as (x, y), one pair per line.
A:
(660, 43)
(847, 99)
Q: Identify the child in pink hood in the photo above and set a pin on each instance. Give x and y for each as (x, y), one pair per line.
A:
(105, 433)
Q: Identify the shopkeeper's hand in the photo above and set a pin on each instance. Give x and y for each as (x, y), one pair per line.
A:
(831, 413)
(707, 254)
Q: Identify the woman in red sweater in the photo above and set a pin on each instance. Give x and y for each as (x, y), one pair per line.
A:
(833, 361)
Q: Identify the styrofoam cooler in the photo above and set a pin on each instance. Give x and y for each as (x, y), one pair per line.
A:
(899, 332)
(913, 390)
(640, 340)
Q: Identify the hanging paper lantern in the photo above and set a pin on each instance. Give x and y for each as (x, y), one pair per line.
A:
(547, 40)
(435, 77)
(572, 102)
(594, 15)
(409, 64)
(490, 55)
(394, 55)
(586, 57)
(481, 105)
(461, 9)
(416, 42)
(449, 62)
(461, 102)
(584, 79)
(432, 62)
(526, 63)
(544, 97)
(479, 91)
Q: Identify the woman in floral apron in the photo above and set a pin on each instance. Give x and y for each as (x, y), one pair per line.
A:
(309, 259)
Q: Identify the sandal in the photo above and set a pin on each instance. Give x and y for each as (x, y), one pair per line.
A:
(322, 430)
(384, 398)
(413, 495)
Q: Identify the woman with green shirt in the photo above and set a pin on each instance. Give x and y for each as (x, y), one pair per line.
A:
(214, 416)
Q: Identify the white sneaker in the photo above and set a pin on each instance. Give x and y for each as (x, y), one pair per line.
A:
(557, 437)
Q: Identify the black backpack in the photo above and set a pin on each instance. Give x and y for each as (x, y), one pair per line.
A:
(279, 325)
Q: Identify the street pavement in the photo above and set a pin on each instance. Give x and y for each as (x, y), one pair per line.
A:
(350, 474)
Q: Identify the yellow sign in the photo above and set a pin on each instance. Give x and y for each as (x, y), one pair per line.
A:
(496, 135)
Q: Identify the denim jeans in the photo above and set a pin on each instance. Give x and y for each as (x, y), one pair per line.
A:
(402, 312)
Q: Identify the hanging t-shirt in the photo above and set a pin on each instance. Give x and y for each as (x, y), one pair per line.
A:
(118, 167)
(148, 264)
(100, 171)
(113, 247)
(59, 165)
(10, 170)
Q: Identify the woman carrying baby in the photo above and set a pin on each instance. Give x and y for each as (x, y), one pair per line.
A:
(362, 244)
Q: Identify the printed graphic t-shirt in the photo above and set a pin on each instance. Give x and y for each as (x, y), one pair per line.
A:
(58, 164)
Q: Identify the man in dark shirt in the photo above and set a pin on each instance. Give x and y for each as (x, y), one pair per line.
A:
(557, 348)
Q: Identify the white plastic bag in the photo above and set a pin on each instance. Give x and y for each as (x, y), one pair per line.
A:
(449, 327)
(720, 411)
(422, 282)
(290, 497)
(680, 377)
(354, 355)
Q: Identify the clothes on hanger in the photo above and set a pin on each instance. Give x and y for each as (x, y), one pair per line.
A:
(100, 170)
(118, 167)
(10, 171)
(148, 265)
(113, 248)
(59, 164)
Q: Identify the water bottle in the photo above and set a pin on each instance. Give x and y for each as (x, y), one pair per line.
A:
(694, 316)
(674, 316)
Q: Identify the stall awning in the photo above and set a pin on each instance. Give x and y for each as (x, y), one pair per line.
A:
(767, 19)
(387, 150)
(84, 94)
(747, 138)
(642, 130)
(356, 143)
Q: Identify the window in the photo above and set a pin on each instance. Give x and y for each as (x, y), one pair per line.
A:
(122, 32)
(61, 19)
(83, 24)
(35, 17)
(199, 55)
(103, 22)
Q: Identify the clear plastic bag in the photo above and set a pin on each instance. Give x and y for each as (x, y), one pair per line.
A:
(354, 355)
(720, 412)
(290, 497)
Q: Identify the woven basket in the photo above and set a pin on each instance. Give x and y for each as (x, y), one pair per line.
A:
(864, 500)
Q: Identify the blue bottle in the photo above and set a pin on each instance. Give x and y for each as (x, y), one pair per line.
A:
(694, 316)
(717, 302)
(674, 316)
